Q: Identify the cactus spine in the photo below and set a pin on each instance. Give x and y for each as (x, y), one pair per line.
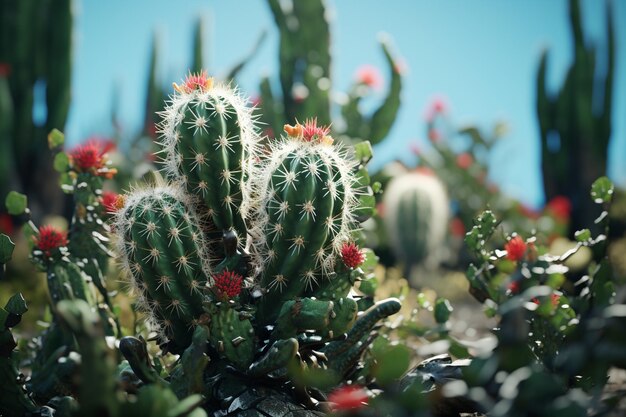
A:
(416, 216)
(209, 140)
(304, 216)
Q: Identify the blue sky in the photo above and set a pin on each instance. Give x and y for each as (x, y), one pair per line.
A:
(481, 55)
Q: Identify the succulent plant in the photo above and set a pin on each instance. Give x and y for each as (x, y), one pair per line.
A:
(416, 219)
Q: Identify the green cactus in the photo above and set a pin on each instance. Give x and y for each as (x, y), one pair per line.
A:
(164, 250)
(416, 219)
(305, 79)
(305, 215)
(210, 143)
(575, 123)
(232, 335)
(34, 31)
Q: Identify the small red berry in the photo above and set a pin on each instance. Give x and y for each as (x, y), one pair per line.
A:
(515, 248)
(348, 397)
(50, 238)
(352, 256)
(514, 287)
(227, 284)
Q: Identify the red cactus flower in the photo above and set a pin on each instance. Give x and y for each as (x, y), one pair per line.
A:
(227, 284)
(369, 76)
(352, 256)
(560, 207)
(50, 238)
(199, 81)
(312, 132)
(457, 228)
(87, 156)
(515, 248)
(464, 160)
(348, 397)
(109, 201)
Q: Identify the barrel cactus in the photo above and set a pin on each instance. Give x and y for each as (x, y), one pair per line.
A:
(416, 218)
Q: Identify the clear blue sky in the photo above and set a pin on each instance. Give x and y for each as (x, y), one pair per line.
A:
(481, 55)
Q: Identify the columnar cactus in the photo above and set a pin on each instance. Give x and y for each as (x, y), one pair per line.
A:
(209, 144)
(163, 248)
(416, 219)
(305, 214)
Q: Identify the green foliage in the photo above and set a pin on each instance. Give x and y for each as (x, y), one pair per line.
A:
(16, 203)
(580, 115)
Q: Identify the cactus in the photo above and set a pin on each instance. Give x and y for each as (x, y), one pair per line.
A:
(163, 248)
(305, 78)
(304, 216)
(210, 144)
(32, 33)
(416, 218)
(575, 123)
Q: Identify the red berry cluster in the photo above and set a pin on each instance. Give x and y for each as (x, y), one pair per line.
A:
(227, 284)
(50, 238)
(352, 256)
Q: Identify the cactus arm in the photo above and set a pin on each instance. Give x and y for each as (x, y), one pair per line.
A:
(300, 315)
(271, 107)
(135, 352)
(383, 118)
(197, 63)
(231, 334)
(97, 362)
(14, 402)
(236, 69)
(277, 357)
(604, 119)
(59, 70)
(154, 95)
(362, 327)
(545, 116)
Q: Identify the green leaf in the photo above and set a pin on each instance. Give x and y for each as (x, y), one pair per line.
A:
(16, 305)
(392, 364)
(582, 235)
(363, 151)
(6, 248)
(56, 138)
(16, 203)
(61, 162)
(369, 286)
(443, 309)
(602, 190)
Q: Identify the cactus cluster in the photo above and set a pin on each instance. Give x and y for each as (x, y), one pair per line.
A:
(248, 249)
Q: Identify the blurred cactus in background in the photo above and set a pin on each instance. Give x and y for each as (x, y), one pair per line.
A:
(575, 123)
(416, 211)
(35, 66)
(306, 88)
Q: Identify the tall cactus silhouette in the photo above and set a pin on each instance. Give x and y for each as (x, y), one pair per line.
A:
(575, 123)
